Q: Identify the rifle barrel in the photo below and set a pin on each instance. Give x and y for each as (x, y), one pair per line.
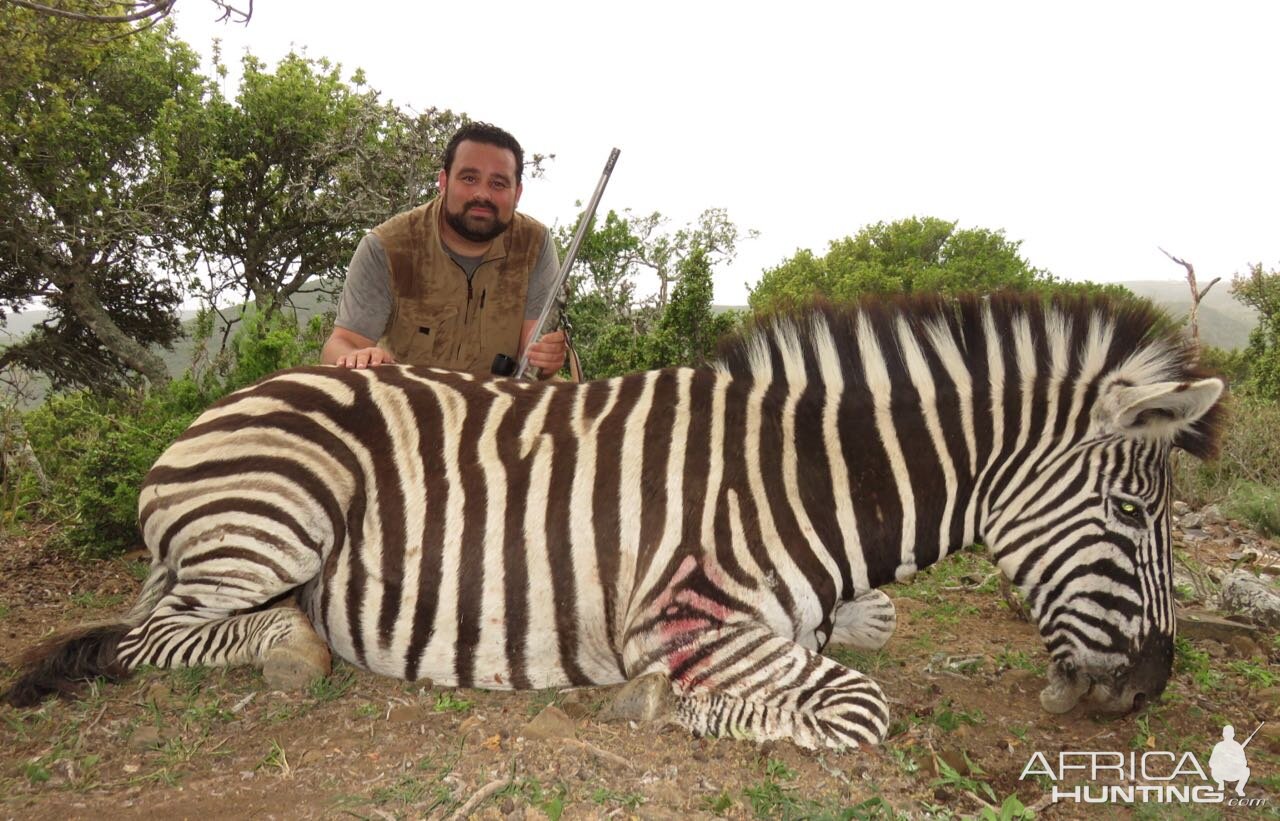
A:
(567, 262)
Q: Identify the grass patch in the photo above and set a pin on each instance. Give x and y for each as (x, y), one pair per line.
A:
(447, 702)
(1195, 664)
(1018, 660)
(627, 801)
(93, 600)
(333, 686)
(1256, 505)
(864, 661)
(950, 720)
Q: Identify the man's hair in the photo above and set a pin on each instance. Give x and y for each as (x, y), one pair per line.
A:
(489, 135)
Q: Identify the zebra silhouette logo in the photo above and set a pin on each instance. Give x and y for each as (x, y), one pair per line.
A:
(1227, 761)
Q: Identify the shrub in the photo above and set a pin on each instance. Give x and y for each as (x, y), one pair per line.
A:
(1258, 505)
(96, 449)
(1245, 479)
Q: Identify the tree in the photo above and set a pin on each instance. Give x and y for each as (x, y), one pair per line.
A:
(617, 331)
(113, 12)
(1260, 290)
(291, 172)
(88, 209)
(915, 254)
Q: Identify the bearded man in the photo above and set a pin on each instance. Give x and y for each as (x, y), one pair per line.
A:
(454, 282)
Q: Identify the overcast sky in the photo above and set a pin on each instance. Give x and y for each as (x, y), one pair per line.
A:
(1093, 132)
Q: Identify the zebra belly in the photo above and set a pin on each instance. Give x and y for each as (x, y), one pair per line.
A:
(537, 658)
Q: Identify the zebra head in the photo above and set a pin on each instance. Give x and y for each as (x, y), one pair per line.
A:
(1086, 538)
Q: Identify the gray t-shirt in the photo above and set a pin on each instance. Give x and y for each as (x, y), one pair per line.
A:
(365, 306)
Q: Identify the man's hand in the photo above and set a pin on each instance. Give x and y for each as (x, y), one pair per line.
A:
(548, 353)
(365, 358)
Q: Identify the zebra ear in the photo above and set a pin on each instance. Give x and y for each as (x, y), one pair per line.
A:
(1163, 410)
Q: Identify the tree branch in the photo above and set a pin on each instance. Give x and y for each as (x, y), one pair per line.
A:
(149, 10)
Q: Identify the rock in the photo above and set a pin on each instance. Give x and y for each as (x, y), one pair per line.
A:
(406, 712)
(160, 695)
(1212, 514)
(550, 723)
(1269, 736)
(1201, 624)
(1191, 521)
(1215, 649)
(145, 738)
(576, 709)
(1245, 593)
(642, 699)
(311, 757)
(1271, 697)
(1181, 508)
(1244, 647)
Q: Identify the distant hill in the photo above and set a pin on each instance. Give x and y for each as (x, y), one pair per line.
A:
(1224, 321)
(178, 360)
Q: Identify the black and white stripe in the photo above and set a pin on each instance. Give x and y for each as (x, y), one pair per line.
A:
(716, 525)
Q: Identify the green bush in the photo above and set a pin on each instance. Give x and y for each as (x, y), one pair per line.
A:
(96, 450)
(1258, 505)
(1245, 480)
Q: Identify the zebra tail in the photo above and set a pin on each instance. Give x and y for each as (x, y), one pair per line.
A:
(60, 663)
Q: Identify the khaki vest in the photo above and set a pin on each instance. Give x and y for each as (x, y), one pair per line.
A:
(437, 317)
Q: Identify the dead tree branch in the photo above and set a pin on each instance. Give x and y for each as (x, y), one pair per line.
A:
(149, 10)
(1193, 316)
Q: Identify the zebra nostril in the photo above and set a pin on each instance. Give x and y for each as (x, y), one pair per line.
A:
(1139, 701)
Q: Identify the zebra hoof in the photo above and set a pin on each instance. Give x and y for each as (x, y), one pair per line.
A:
(292, 668)
(865, 623)
(644, 699)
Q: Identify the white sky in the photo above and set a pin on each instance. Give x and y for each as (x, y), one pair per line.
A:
(1094, 132)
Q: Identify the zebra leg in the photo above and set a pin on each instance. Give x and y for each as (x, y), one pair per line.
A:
(866, 623)
(216, 614)
(744, 680)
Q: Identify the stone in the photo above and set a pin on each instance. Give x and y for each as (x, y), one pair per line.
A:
(1269, 737)
(550, 723)
(1181, 508)
(644, 699)
(402, 713)
(1271, 697)
(576, 709)
(160, 695)
(145, 737)
(1212, 514)
(1201, 624)
(1244, 647)
(1246, 594)
(1191, 521)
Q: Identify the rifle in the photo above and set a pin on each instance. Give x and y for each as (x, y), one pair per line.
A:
(504, 365)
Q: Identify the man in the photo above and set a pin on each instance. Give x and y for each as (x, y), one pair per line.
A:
(1227, 761)
(457, 281)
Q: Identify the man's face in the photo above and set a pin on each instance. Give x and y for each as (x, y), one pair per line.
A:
(480, 191)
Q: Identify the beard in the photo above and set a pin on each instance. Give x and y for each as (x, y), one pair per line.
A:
(474, 227)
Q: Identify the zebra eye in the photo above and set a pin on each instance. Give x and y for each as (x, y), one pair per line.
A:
(1129, 511)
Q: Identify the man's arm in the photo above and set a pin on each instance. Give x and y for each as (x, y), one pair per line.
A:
(348, 349)
(362, 310)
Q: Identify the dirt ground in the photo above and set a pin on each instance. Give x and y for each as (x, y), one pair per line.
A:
(963, 674)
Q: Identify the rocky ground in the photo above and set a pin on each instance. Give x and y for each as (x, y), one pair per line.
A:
(963, 673)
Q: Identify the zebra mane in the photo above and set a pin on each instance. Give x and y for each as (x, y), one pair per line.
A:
(1127, 340)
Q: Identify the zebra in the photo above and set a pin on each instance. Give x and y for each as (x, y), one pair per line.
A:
(717, 526)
